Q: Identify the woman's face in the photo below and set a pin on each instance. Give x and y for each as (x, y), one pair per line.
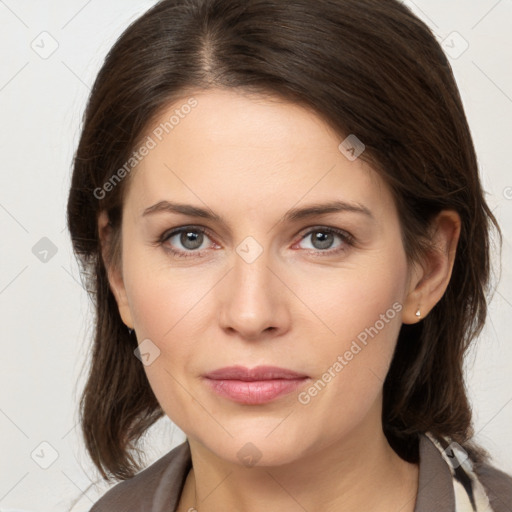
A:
(269, 282)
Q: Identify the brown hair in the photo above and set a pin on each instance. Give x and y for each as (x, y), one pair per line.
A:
(369, 68)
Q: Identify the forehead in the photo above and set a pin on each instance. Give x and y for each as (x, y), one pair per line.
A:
(236, 150)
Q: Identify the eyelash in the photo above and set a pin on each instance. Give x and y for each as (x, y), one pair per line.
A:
(347, 239)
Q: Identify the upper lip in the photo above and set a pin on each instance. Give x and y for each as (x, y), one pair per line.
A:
(253, 374)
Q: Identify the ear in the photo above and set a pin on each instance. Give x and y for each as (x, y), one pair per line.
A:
(114, 273)
(429, 279)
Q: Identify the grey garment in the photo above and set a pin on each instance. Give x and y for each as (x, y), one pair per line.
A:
(158, 488)
(498, 487)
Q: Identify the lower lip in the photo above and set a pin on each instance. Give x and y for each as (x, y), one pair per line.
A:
(254, 392)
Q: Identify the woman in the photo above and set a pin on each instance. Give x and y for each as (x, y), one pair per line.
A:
(278, 207)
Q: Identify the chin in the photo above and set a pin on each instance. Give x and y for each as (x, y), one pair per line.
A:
(256, 449)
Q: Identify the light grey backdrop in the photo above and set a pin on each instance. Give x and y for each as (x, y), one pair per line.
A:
(51, 52)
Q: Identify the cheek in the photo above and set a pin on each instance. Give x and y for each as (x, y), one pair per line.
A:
(168, 312)
(162, 309)
(171, 307)
(162, 297)
(363, 345)
(350, 300)
(362, 310)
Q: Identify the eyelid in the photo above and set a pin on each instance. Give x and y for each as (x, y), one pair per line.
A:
(337, 231)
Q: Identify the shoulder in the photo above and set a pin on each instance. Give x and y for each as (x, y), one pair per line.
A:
(497, 485)
(476, 486)
(156, 488)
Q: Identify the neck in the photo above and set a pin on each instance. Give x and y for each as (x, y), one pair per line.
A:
(360, 472)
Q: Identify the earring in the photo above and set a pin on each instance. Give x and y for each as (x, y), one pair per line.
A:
(130, 331)
(418, 313)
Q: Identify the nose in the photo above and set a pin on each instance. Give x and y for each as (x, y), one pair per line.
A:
(253, 300)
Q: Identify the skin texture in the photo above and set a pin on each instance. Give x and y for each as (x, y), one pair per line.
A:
(298, 305)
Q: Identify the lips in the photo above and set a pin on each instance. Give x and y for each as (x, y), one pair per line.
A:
(253, 386)
(254, 374)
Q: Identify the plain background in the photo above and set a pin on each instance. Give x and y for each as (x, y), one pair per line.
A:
(51, 52)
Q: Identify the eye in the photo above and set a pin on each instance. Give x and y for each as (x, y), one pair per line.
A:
(190, 238)
(188, 241)
(323, 238)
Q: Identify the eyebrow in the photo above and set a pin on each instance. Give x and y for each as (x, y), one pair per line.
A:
(291, 215)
